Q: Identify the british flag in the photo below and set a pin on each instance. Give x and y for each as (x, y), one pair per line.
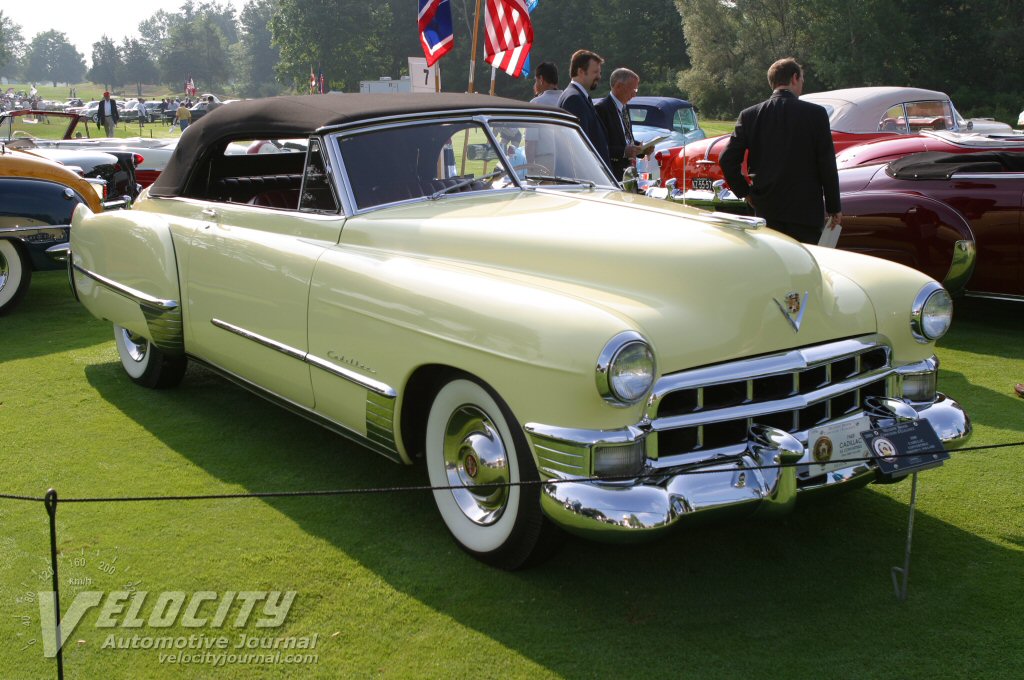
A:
(435, 22)
(509, 35)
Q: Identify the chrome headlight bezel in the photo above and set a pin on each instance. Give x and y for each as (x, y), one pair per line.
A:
(609, 383)
(931, 299)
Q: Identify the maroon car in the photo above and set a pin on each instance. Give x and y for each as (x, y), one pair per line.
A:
(942, 141)
(956, 217)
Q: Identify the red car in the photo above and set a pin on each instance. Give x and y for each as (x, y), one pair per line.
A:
(945, 141)
(856, 115)
(956, 217)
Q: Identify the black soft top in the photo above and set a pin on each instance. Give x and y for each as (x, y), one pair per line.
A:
(938, 165)
(301, 116)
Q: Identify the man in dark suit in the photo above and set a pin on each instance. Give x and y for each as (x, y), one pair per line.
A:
(792, 161)
(585, 68)
(614, 115)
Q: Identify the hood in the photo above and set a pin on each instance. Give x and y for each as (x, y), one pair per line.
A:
(694, 288)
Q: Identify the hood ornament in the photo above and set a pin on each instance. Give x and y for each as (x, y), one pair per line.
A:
(793, 308)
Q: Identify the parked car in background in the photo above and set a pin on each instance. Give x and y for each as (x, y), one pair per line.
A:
(553, 350)
(945, 141)
(43, 132)
(856, 115)
(37, 199)
(668, 122)
(956, 217)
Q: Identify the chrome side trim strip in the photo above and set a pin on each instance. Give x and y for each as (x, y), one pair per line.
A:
(1005, 297)
(371, 443)
(374, 386)
(961, 267)
(129, 292)
(260, 339)
(27, 231)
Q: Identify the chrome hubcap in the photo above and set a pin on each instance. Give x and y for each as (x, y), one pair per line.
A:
(135, 345)
(475, 458)
(5, 271)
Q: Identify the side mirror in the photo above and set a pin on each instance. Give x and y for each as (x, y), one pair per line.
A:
(629, 180)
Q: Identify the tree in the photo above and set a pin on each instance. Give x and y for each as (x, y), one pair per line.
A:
(12, 45)
(138, 66)
(255, 55)
(196, 46)
(50, 57)
(107, 67)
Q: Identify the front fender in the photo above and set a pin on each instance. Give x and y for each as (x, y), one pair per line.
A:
(913, 230)
(388, 315)
(125, 271)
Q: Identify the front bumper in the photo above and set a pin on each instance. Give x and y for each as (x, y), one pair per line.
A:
(721, 486)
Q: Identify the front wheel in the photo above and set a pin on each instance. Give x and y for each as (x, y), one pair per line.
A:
(474, 443)
(145, 364)
(15, 275)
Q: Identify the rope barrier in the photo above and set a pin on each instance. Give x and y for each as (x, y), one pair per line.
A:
(649, 475)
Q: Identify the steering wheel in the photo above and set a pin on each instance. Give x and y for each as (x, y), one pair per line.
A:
(532, 169)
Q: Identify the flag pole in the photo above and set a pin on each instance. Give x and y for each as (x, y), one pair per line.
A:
(494, 75)
(472, 58)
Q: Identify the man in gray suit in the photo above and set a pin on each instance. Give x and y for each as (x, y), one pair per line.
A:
(585, 68)
(792, 161)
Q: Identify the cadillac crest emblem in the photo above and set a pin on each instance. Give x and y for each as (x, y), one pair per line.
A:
(793, 309)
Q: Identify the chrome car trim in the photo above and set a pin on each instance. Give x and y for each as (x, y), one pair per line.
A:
(28, 231)
(163, 317)
(370, 384)
(917, 310)
(741, 481)
(129, 292)
(961, 267)
(380, 420)
(988, 175)
(60, 252)
(449, 114)
(372, 443)
(1005, 297)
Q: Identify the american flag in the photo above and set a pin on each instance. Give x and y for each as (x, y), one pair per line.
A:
(323, 84)
(312, 81)
(190, 87)
(509, 35)
(435, 22)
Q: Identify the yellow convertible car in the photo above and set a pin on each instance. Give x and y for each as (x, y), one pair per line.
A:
(557, 353)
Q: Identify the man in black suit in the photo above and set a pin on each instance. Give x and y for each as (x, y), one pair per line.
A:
(792, 161)
(614, 115)
(585, 68)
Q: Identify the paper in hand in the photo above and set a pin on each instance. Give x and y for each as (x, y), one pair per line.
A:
(830, 234)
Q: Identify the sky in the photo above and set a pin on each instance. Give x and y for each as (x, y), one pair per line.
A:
(86, 22)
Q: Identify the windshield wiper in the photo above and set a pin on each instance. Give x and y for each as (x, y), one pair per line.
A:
(465, 183)
(562, 180)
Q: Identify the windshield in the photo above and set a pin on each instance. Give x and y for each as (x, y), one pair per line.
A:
(438, 160)
(50, 125)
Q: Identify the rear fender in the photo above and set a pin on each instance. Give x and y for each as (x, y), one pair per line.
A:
(913, 230)
(125, 271)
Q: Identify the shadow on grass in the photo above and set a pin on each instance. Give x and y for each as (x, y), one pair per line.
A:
(807, 595)
(48, 320)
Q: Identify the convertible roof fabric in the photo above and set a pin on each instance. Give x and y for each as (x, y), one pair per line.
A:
(300, 116)
(938, 165)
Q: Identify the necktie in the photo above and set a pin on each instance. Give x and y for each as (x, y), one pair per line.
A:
(627, 126)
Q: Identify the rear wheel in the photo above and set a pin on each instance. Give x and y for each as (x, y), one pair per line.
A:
(473, 442)
(145, 364)
(15, 275)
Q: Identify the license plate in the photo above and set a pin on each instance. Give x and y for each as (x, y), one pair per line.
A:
(702, 184)
(834, 446)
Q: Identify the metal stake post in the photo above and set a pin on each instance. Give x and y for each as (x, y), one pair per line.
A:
(904, 571)
(50, 501)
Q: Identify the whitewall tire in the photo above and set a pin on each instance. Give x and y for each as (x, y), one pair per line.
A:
(15, 275)
(473, 442)
(145, 364)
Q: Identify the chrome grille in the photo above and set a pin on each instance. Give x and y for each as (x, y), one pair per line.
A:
(711, 409)
(702, 183)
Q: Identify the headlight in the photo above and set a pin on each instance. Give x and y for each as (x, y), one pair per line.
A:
(931, 314)
(625, 369)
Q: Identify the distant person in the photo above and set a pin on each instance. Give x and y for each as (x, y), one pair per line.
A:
(107, 115)
(614, 115)
(183, 116)
(792, 161)
(585, 70)
(545, 85)
(211, 103)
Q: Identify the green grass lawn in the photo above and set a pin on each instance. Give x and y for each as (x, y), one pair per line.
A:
(389, 594)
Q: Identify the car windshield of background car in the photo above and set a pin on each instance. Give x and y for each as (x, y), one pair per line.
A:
(684, 121)
(400, 163)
